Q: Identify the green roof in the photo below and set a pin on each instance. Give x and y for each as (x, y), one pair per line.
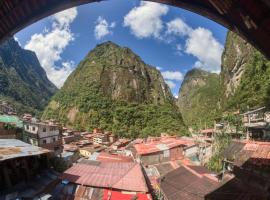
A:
(10, 119)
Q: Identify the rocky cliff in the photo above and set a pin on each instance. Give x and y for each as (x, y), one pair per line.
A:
(198, 98)
(112, 88)
(245, 75)
(23, 82)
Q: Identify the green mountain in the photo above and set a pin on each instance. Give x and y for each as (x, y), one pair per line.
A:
(23, 82)
(198, 98)
(113, 89)
(245, 76)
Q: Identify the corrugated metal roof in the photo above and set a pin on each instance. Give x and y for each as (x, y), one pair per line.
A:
(12, 148)
(161, 145)
(107, 157)
(123, 176)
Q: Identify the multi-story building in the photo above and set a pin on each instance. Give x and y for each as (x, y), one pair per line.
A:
(257, 124)
(43, 134)
(101, 139)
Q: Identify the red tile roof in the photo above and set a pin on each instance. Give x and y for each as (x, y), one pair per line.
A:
(122, 176)
(152, 147)
(115, 195)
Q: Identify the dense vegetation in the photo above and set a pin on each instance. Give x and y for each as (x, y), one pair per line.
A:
(23, 82)
(220, 143)
(254, 88)
(114, 89)
(198, 98)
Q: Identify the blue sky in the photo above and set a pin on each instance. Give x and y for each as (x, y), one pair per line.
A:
(172, 39)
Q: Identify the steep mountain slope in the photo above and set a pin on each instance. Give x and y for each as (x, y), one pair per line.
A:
(245, 75)
(23, 81)
(198, 98)
(112, 88)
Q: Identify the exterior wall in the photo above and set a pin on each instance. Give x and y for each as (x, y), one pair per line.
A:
(85, 153)
(176, 153)
(191, 151)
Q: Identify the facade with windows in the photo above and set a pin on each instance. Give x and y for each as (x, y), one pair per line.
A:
(43, 134)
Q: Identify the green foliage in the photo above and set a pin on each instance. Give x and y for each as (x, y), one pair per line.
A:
(23, 82)
(221, 142)
(115, 90)
(198, 98)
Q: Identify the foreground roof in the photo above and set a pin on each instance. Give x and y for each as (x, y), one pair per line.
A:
(248, 152)
(122, 176)
(197, 183)
(12, 148)
(161, 145)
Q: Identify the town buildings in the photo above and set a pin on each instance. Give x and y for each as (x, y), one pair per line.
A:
(257, 124)
(43, 134)
(162, 149)
(5, 108)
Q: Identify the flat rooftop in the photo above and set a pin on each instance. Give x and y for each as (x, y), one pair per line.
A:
(12, 148)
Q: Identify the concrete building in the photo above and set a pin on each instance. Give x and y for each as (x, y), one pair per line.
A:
(43, 134)
(257, 124)
(89, 150)
(101, 139)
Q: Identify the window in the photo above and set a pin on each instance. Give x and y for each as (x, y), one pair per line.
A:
(44, 141)
(51, 129)
(53, 139)
(33, 128)
(27, 127)
(44, 129)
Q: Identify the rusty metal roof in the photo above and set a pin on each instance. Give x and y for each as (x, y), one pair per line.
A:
(12, 148)
(161, 145)
(122, 176)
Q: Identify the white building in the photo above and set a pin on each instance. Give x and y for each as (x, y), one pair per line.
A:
(43, 134)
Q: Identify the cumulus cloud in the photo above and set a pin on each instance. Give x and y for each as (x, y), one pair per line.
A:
(171, 84)
(178, 27)
(145, 20)
(50, 44)
(103, 28)
(202, 44)
(172, 75)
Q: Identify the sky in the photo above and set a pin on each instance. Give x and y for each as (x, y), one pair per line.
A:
(173, 40)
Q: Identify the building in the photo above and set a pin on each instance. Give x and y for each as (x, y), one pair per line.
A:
(257, 124)
(208, 132)
(10, 127)
(101, 139)
(161, 150)
(126, 176)
(198, 183)
(249, 161)
(120, 143)
(108, 157)
(20, 162)
(87, 151)
(43, 134)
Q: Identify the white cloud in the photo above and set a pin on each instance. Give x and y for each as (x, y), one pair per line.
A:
(145, 20)
(178, 27)
(50, 44)
(172, 75)
(202, 44)
(171, 84)
(159, 68)
(103, 28)
(176, 96)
